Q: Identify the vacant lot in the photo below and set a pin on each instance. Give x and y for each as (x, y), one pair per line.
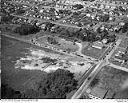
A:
(44, 61)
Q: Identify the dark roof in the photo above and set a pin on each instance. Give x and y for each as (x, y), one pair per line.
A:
(98, 92)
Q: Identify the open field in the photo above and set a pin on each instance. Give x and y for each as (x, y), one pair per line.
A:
(112, 80)
(61, 44)
(16, 78)
(93, 52)
(21, 78)
(44, 61)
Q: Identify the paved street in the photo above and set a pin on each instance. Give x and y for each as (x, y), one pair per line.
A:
(87, 82)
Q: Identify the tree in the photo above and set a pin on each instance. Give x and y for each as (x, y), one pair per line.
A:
(26, 29)
(94, 82)
(125, 28)
(55, 85)
(9, 93)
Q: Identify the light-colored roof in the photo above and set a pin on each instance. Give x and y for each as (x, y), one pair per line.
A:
(98, 45)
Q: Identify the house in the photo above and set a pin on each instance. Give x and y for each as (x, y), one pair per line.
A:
(98, 45)
(97, 93)
(104, 41)
(43, 26)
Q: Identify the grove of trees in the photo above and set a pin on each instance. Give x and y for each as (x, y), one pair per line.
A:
(55, 85)
(26, 29)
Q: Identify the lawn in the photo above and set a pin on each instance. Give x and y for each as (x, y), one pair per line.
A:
(112, 79)
(93, 52)
(63, 44)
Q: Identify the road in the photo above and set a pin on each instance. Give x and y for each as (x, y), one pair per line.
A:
(118, 67)
(87, 82)
(58, 21)
(114, 48)
(85, 75)
(50, 47)
(96, 70)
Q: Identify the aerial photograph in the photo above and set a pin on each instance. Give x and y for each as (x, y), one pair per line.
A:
(64, 49)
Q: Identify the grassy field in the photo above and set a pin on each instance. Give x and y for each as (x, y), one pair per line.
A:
(112, 79)
(63, 44)
(93, 52)
(18, 79)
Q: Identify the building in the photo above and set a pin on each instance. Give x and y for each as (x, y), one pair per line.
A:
(98, 45)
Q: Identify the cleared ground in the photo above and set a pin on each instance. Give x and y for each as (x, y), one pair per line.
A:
(44, 61)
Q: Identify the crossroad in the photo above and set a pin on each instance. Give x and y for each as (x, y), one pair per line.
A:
(96, 70)
(87, 81)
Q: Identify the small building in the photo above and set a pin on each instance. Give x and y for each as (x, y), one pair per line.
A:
(104, 41)
(98, 45)
(97, 93)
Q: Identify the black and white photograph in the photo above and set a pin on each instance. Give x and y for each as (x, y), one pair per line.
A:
(64, 49)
